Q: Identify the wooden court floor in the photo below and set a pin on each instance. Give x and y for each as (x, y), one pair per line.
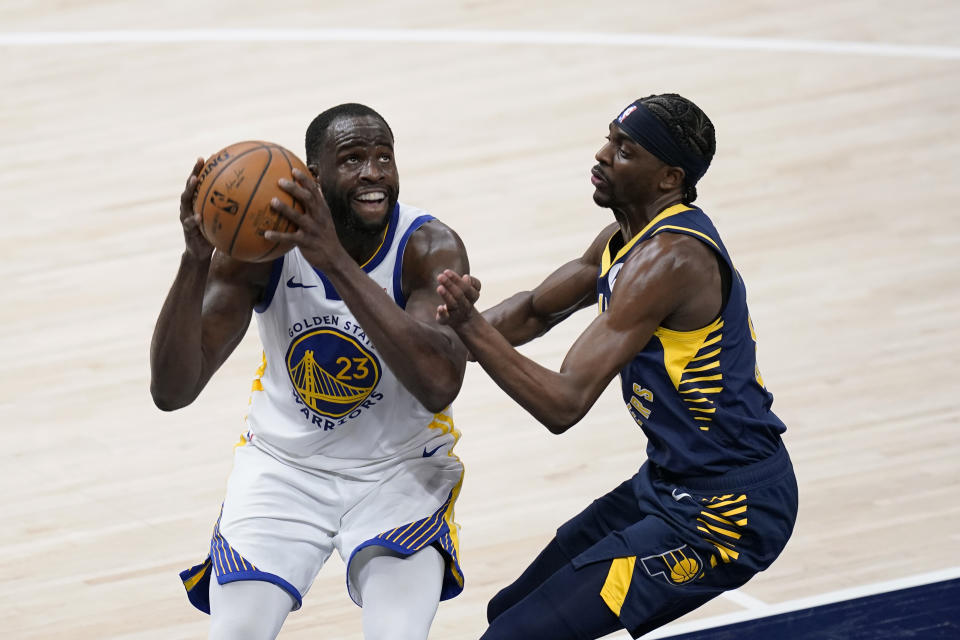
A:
(835, 186)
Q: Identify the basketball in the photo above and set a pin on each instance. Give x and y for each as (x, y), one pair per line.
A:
(233, 196)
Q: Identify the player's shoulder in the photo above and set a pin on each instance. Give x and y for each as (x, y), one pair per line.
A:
(431, 234)
(670, 255)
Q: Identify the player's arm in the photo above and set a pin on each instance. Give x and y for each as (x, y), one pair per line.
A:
(529, 314)
(657, 282)
(426, 357)
(205, 315)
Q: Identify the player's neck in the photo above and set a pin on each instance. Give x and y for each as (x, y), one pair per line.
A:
(634, 219)
(360, 245)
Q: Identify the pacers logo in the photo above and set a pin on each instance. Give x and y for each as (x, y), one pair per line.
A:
(677, 566)
(331, 372)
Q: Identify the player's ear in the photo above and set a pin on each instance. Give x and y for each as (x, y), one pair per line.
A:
(314, 171)
(672, 178)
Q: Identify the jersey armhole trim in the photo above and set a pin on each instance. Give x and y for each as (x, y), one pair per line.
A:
(271, 287)
(398, 296)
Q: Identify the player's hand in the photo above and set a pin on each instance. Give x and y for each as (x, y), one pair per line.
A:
(459, 293)
(197, 245)
(316, 236)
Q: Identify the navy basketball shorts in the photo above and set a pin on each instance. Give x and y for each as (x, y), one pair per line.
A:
(674, 543)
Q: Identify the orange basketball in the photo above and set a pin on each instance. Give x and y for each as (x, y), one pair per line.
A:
(233, 199)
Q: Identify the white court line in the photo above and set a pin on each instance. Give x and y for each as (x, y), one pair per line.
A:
(747, 602)
(803, 603)
(475, 36)
(78, 538)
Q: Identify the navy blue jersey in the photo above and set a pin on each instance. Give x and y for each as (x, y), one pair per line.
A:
(697, 395)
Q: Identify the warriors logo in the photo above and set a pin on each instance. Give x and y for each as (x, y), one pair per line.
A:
(677, 566)
(332, 372)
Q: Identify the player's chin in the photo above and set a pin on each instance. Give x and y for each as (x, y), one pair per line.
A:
(601, 198)
(371, 216)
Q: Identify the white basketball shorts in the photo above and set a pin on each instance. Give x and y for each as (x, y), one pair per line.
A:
(279, 523)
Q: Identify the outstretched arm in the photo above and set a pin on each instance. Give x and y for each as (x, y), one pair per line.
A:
(205, 315)
(529, 314)
(426, 357)
(654, 283)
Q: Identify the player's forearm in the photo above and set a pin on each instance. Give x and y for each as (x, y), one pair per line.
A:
(555, 399)
(176, 357)
(427, 360)
(515, 319)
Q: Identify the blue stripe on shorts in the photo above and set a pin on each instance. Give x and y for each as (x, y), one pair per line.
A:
(229, 566)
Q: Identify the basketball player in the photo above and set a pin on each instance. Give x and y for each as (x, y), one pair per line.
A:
(716, 500)
(350, 437)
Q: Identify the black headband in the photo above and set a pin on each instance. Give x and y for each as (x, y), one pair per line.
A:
(649, 132)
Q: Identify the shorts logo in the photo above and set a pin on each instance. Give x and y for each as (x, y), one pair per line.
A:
(331, 372)
(677, 566)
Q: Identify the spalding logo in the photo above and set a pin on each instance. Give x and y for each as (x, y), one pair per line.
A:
(208, 169)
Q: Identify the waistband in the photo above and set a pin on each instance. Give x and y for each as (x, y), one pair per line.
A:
(761, 472)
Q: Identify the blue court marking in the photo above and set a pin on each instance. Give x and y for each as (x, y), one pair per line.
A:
(919, 607)
(927, 612)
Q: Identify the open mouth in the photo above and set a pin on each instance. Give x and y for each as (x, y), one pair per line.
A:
(372, 197)
(372, 201)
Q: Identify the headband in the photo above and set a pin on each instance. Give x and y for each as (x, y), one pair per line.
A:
(649, 132)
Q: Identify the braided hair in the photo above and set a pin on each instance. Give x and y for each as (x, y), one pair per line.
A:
(318, 128)
(688, 125)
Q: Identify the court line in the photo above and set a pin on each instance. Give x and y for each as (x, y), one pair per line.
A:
(475, 36)
(78, 538)
(744, 600)
(806, 603)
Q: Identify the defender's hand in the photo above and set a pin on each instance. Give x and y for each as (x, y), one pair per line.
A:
(196, 244)
(459, 294)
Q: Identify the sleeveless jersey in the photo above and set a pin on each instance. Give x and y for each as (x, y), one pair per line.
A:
(697, 395)
(323, 397)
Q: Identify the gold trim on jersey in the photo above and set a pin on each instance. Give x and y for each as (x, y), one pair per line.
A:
(416, 535)
(607, 261)
(383, 239)
(257, 384)
(444, 422)
(668, 227)
(692, 358)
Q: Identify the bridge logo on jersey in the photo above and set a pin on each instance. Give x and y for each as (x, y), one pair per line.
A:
(331, 371)
(677, 566)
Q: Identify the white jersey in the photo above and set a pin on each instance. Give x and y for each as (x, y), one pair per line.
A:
(324, 398)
